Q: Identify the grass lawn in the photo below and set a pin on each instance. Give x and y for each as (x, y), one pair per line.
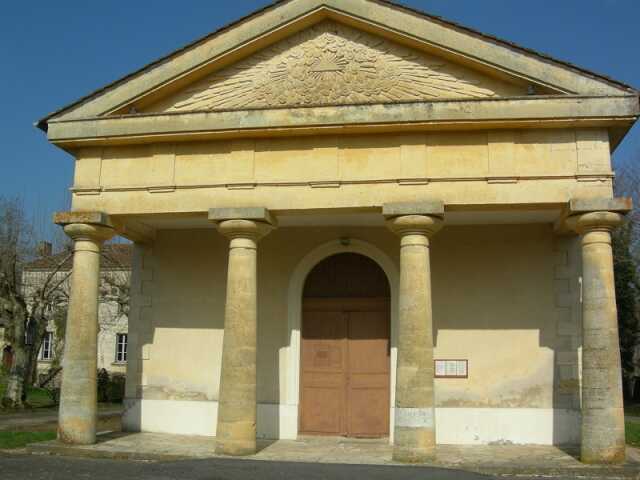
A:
(9, 440)
(36, 397)
(632, 431)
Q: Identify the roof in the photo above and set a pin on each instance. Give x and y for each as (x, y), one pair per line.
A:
(42, 123)
(115, 256)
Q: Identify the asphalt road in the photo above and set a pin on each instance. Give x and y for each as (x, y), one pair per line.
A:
(36, 467)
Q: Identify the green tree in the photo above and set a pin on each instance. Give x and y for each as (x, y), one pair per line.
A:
(626, 252)
(627, 294)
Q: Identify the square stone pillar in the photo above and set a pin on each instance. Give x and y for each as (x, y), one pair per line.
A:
(414, 423)
(78, 393)
(237, 402)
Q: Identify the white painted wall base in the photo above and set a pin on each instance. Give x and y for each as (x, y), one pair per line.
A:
(272, 425)
(200, 417)
(170, 416)
(534, 426)
(458, 426)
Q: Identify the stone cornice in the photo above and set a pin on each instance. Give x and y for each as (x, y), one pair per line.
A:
(535, 112)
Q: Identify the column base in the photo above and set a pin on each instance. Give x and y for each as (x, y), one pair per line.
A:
(77, 431)
(236, 439)
(603, 436)
(609, 457)
(414, 445)
(236, 448)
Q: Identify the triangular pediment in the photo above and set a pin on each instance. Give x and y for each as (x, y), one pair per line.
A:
(318, 52)
(334, 64)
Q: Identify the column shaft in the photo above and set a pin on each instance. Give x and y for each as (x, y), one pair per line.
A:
(237, 406)
(603, 438)
(414, 428)
(78, 394)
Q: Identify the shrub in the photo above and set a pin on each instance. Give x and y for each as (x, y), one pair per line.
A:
(110, 388)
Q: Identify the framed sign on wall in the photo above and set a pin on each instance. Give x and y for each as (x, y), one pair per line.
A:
(448, 368)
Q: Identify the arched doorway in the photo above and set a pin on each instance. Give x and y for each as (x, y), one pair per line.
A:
(345, 349)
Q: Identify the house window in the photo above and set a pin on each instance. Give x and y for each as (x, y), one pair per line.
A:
(121, 347)
(46, 351)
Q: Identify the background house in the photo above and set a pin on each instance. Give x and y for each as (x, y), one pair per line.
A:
(113, 308)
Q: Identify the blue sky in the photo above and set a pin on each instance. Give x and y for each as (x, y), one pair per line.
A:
(52, 53)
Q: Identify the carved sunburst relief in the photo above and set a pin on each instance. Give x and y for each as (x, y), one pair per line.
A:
(330, 63)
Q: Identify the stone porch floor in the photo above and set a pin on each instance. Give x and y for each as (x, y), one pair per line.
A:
(490, 459)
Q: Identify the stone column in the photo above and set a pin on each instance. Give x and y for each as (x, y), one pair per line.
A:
(414, 425)
(78, 393)
(237, 403)
(603, 438)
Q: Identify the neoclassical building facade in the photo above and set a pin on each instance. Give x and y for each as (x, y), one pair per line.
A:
(351, 218)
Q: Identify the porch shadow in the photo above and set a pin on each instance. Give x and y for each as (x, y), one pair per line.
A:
(520, 288)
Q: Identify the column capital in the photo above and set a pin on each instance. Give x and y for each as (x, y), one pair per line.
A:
(252, 223)
(257, 214)
(88, 232)
(414, 218)
(90, 226)
(584, 215)
(241, 228)
(600, 221)
(91, 218)
(427, 225)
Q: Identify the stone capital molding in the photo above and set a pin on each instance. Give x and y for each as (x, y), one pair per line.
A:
(586, 205)
(87, 232)
(91, 218)
(589, 214)
(425, 225)
(595, 222)
(426, 207)
(258, 214)
(243, 229)
(95, 227)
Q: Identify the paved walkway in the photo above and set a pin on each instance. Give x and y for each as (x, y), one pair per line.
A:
(28, 467)
(494, 459)
(47, 419)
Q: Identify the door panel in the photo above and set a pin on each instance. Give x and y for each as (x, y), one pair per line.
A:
(345, 367)
(323, 373)
(368, 370)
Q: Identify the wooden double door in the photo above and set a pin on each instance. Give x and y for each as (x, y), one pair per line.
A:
(345, 367)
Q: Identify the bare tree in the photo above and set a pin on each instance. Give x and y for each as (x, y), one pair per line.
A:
(627, 184)
(26, 311)
(115, 285)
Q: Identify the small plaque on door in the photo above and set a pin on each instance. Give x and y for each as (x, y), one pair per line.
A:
(451, 368)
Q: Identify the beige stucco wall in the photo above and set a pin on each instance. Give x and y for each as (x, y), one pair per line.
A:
(496, 303)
